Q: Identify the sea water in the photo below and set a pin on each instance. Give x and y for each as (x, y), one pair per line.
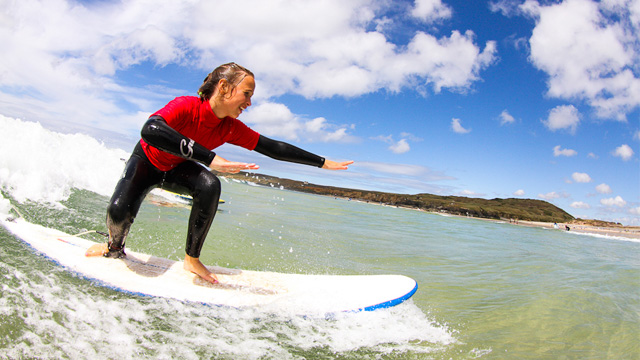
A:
(486, 290)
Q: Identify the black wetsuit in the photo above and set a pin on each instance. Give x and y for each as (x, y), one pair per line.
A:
(189, 177)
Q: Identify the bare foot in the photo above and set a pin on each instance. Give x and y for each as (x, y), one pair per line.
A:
(195, 266)
(97, 250)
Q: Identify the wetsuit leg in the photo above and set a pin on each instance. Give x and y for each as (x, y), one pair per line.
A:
(205, 189)
(138, 178)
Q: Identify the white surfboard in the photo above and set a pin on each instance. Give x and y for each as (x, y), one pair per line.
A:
(148, 275)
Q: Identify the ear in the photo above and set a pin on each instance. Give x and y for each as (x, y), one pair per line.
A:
(223, 86)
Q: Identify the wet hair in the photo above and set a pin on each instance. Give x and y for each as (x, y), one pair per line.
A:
(232, 72)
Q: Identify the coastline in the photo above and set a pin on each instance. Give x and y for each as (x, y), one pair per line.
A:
(627, 232)
(630, 232)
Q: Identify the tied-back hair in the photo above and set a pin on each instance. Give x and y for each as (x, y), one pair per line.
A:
(232, 72)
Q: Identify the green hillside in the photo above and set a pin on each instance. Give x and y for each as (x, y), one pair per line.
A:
(520, 209)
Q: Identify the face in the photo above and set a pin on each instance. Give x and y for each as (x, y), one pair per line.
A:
(233, 103)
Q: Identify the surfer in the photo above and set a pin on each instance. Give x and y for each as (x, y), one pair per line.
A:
(180, 137)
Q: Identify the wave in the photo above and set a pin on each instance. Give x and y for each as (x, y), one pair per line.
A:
(43, 166)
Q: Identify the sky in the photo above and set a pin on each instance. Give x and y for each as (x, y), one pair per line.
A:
(491, 99)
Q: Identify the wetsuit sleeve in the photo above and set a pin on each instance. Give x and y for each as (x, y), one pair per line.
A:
(157, 133)
(286, 152)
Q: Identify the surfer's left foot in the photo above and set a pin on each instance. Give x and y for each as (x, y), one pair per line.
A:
(195, 266)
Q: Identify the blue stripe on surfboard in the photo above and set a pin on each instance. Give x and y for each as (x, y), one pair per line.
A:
(394, 302)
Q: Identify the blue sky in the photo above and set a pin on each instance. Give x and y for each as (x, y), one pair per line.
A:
(525, 99)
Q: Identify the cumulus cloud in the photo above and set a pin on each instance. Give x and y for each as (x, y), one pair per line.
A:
(581, 177)
(469, 193)
(635, 211)
(552, 196)
(563, 117)
(430, 10)
(603, 189)
(274, 119)
(506, 118)
(616, 201)
(65, 53)
(625, 152)
(580, 205)
(400, 147)
(589, 51)
(457, 127)
(518, 192)
(557, 151)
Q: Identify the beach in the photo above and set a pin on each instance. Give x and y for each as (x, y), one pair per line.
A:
(631, 232)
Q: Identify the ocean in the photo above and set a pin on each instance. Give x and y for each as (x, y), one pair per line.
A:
(487, 290)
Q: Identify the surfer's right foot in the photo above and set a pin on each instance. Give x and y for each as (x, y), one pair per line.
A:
(195, 266)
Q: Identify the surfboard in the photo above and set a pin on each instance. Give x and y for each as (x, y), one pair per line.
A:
(147, 275)
(168, 198)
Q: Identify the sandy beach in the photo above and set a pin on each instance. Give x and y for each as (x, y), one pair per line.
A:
(631, 232)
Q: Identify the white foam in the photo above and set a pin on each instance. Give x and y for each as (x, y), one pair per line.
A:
(604, 236)
(42, 165)
(55, 311)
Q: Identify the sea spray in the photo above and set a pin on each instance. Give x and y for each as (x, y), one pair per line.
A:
(43, 165)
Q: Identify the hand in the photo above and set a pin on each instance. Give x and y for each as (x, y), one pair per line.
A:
(223, 165)
(332, 165)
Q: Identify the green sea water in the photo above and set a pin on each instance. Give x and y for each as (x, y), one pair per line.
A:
(486, 290)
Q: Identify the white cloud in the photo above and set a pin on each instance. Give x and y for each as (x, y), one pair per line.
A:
(580, 205)
(430, 10)
(400, 147)
(557, 151)
(635, 211)
(506, 7)
(273, 119)
(66, 52)
(603, 189)
(456, 126)
(519, 193)
(611, 202)
(552, 196)
(625, 152)
(506, 118)
(581, 177)
(469, 193)
(563, 117)
(589, 51)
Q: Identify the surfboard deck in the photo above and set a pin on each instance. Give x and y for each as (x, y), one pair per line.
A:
(148, 275)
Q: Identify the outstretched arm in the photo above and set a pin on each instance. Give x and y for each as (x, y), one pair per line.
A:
(280, 150)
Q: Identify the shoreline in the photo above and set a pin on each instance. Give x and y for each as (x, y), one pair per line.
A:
(628, 232)
(622, 231)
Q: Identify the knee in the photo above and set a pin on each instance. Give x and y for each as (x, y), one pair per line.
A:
(209, 183)
(208, 187)
(118, 212)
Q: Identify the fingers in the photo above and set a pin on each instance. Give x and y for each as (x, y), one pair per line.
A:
(332, 165)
